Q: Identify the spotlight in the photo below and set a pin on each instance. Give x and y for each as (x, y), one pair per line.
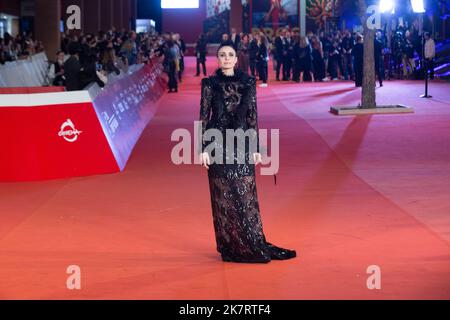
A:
(418, 6)
(387, 6)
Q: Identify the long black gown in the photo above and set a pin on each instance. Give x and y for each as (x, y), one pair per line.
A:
(229, 102)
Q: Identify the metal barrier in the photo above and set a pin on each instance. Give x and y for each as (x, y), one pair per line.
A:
(32, 72)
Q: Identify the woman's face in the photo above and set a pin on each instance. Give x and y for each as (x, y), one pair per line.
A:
(227, 57)
(61, 56)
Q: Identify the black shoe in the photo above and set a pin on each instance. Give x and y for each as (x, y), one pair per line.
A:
(261, 259)
(277, 253)
(197, 75)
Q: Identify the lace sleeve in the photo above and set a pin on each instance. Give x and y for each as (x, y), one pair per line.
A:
(252, 113)
(205, 109)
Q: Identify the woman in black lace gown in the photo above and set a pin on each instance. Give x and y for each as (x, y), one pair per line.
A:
(228, 101)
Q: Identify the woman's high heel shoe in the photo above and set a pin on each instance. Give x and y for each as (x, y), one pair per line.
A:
(277, 253)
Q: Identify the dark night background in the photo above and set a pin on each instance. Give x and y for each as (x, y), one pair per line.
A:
(150, 9)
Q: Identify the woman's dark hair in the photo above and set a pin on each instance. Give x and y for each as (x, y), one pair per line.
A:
(225, 44)
(74, 48)
(108, 56)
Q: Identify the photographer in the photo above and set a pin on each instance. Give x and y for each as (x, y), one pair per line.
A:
(397, 51)
(59, 79)
(408, 56)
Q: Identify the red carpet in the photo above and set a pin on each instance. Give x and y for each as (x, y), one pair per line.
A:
(352, 192)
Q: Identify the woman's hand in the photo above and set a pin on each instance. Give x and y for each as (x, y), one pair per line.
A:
(205, 161)
(257, 158)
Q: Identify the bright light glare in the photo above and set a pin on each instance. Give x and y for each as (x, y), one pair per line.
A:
(387, 5)
(418, 6)
(175, 4)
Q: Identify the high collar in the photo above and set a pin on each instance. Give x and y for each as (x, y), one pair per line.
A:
(236, 77)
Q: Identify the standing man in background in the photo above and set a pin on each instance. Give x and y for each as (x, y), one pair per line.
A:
(429, 54)
(200, 53)
(235, 38)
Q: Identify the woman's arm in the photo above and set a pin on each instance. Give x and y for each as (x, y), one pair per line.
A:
(205, 109)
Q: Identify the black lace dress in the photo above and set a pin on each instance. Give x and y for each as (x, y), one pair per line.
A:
(229, 102)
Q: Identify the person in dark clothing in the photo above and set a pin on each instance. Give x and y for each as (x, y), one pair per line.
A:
(326, 42)
(296, 59)
(253, 52)
(397, 49)
(173, 54)
(335, 60)
(200, 53)
(305, 60)
(226, 40)
(109, 61)
(163, 50)
(358, 60)
(59, 80)
(85, 48)
(88, 73)
(318, 61)
(408, 56)
(261, 59)
(235, 39)
(347, 47)
(72, 68)
(243, 58)
(378, 56)
(287, 57)
(182, 48)
(279, 52)
(117, 45)
(228, 102)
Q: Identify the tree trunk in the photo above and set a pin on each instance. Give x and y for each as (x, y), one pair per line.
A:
(368, 98)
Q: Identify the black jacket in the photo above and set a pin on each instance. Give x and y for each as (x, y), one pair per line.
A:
(236, 41)
(200, 49)
(72, 69)
(253, 49)
(229, 102)
(261, 54)
(279, 47)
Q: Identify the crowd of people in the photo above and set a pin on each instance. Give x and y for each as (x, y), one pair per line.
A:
(88, 58)
(20, 47)
(321, 56)
(92, 57)
(336, 55)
